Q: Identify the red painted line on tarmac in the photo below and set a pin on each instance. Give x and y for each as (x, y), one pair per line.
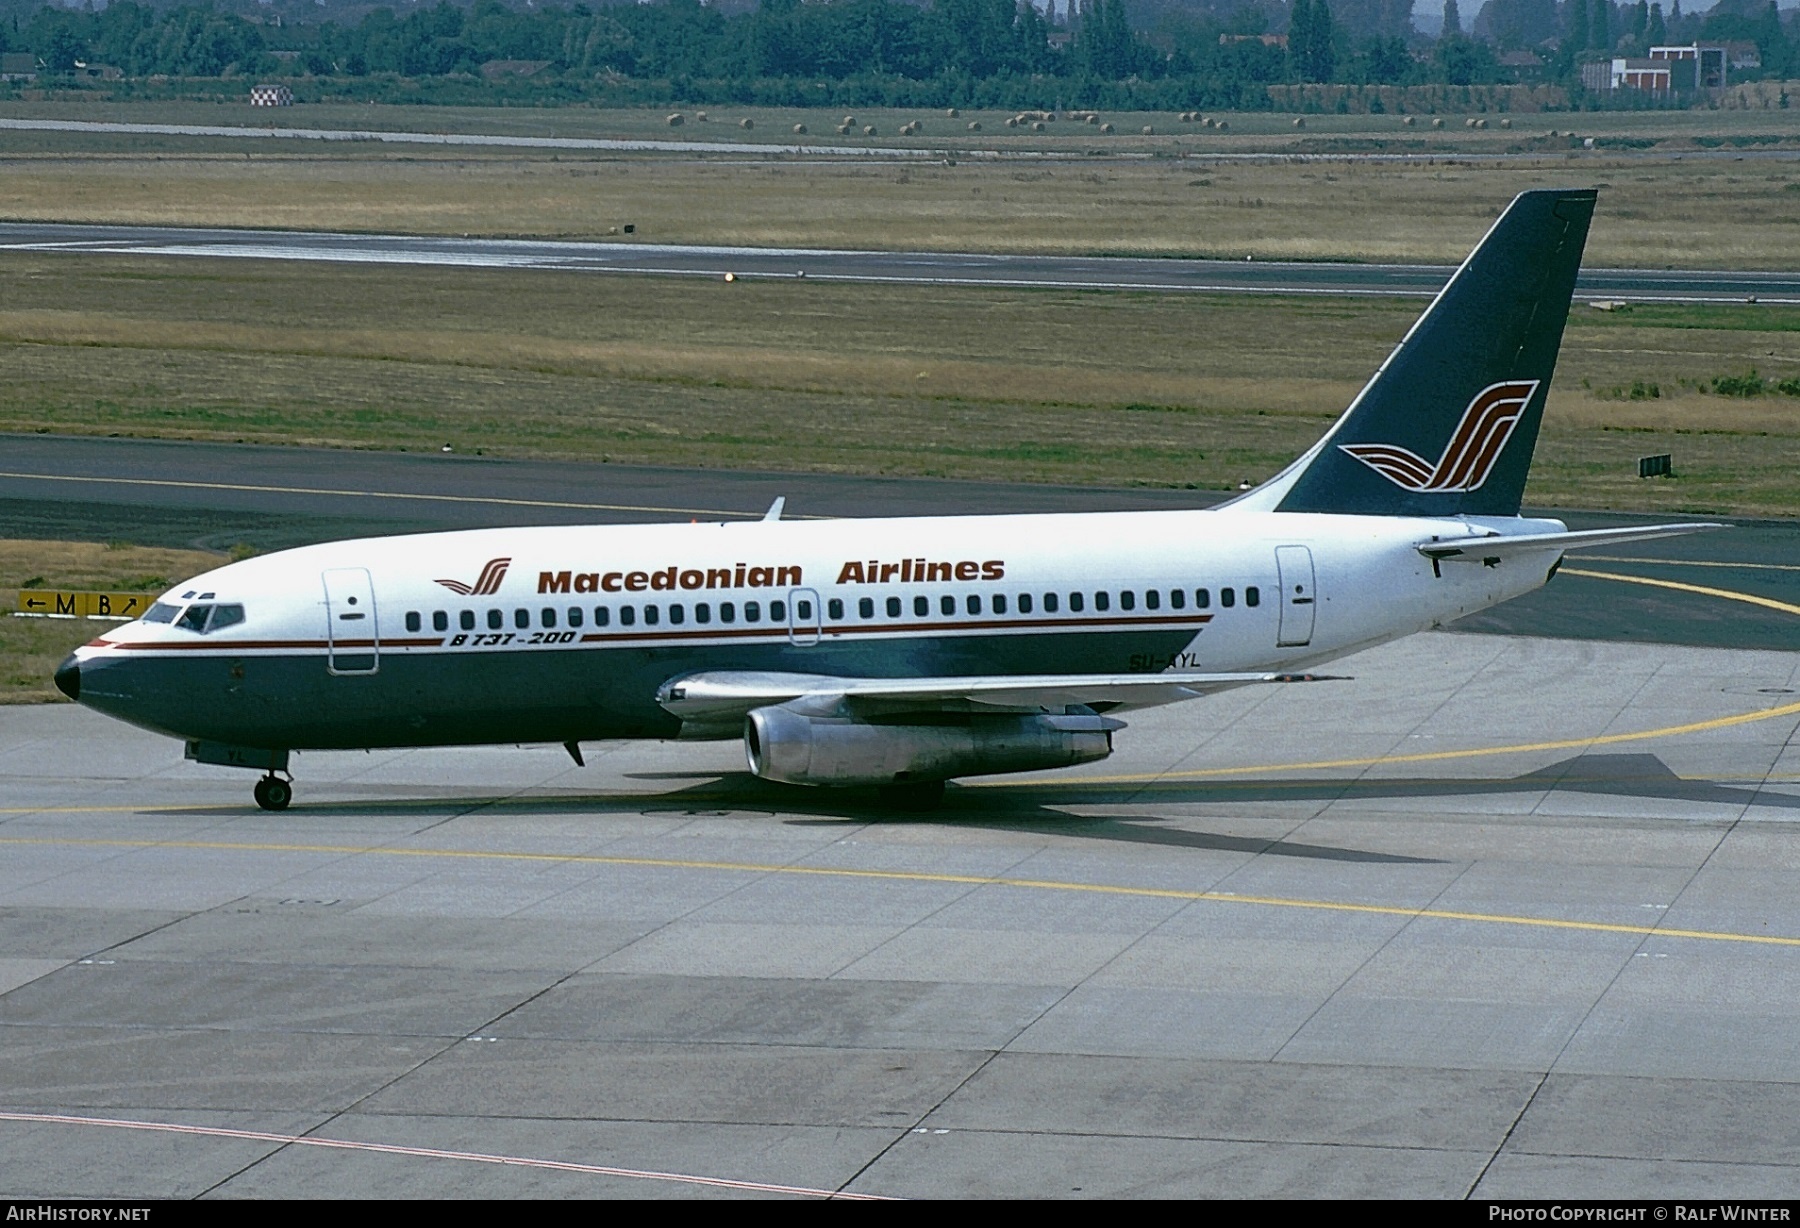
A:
(435, 1153)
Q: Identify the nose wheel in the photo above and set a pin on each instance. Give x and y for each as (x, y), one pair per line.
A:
(274, 793)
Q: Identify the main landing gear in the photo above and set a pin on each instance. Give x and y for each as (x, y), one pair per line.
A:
(274, 793)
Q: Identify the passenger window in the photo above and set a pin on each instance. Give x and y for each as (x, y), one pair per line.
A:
(778, 611)
(1024, 603)
(947, 605)
(627, 615)
(893, 607)
(834, 609)
(973, 604)
(522, 618)
(677, 614)
(1152, 599)
(999, 603)
(547, 617)
(602, 616)
(575, 619)
(496, 620)
(412, 620)
(1177, 599)
(194, 618)
(1227, 597)
(921, 606)
(752, 612)
(1102, 601)
(1202, 599)
(1252, 595)
(702, 612)
(1049, 603)
(1128, 600)
(803, 611)
(224, 616)
(440, 621)
(652, 616)
(1077, 603)
(727, 612)
(865, 608)
(466, 620)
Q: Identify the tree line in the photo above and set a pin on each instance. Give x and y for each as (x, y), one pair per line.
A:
(945, 52)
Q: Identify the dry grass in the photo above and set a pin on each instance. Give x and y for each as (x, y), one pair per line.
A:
(30, 648)
(1008, 384)
(1656, 210)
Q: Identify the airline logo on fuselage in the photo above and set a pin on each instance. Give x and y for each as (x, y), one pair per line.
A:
(486, 585)
(1474, 448)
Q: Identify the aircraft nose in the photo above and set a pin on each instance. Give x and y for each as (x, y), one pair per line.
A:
(68, 677)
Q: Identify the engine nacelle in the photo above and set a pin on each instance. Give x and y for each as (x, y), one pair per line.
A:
(799, 749)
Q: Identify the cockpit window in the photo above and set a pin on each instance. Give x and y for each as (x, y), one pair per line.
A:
(202, 619)
(225, 616)
(161, 612)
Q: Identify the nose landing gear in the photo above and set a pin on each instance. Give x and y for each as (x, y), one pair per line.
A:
(274, 793)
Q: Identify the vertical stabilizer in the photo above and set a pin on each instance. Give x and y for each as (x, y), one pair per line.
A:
(1448, 425)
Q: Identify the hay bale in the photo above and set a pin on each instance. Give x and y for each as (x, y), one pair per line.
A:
(1221, 125)
(1299, 121)
(1037, 125)
(953, 113)
(700, 117)
(1106, 128)
(677, 119)
(1091, 118)
(1149, 130)
(799, 129)
(1481, 123)
(1506, 123)
(1409, 121)
(869, 130)
(1437, 123)
(843, 129)
(974, 125)
(850, 121)
(746, 124)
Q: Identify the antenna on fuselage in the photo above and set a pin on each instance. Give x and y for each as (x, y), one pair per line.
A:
(774, 512)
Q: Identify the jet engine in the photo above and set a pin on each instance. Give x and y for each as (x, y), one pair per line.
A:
(802, 749)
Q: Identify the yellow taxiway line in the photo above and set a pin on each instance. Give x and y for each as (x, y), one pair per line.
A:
(919, 876)
(1724, 594)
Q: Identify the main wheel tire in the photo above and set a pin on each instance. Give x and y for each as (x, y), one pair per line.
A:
(912, 795)
(273, 793)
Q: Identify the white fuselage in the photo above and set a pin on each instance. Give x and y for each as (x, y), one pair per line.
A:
(565, 633)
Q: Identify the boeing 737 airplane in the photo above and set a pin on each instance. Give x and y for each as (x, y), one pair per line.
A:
(898, 653)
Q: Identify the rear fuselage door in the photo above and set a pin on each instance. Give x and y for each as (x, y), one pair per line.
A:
(1294, 564)
(804, 617)
(352, 637)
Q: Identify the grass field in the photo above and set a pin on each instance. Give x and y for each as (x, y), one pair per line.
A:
(1166, 196)
(30, 648)
(1031, 385)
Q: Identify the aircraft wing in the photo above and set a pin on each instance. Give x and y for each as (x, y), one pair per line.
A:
(719, 697)
(1479, 548)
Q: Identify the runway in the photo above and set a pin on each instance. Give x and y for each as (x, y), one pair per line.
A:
(1502, 917)
(217, 496)
(916, 268)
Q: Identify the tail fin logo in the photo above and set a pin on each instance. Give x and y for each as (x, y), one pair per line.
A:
(486, 585)
(1469, 457)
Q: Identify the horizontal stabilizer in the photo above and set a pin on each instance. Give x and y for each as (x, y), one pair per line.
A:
(715, 697)
(1479, 548)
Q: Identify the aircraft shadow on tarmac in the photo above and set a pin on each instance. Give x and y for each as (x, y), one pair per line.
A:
(1035, 807)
